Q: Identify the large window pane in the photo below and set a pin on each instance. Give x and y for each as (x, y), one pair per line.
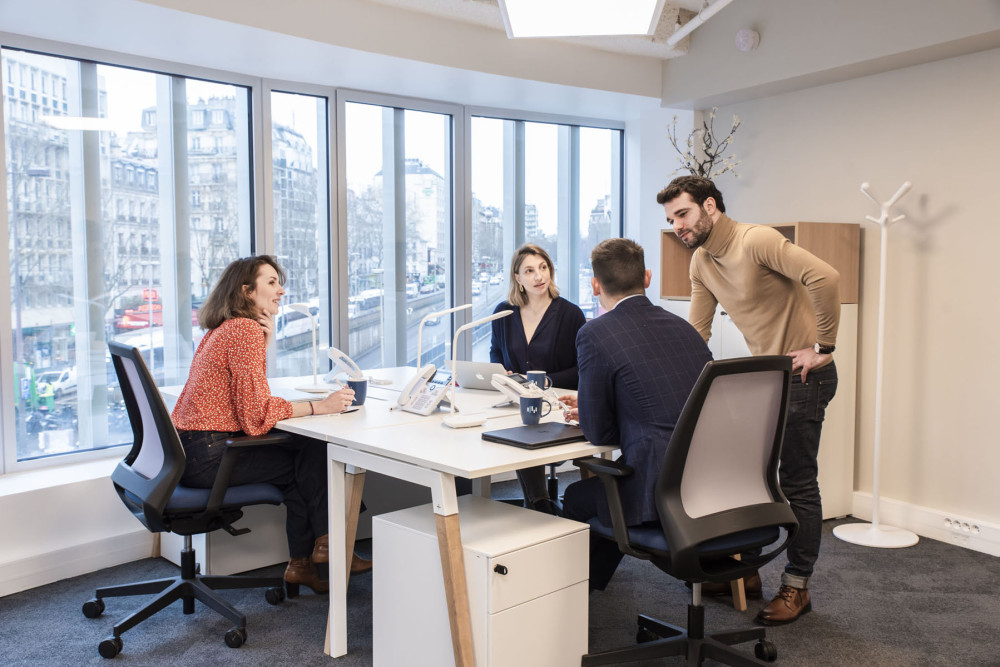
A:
(131, 192)
(301, 227)
(489, 270)
(399, 233)
(558, 186)
(600, 215)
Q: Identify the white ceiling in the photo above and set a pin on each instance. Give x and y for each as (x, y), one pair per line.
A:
(487, 13)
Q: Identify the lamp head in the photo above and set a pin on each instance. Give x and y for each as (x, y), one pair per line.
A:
(301, 308)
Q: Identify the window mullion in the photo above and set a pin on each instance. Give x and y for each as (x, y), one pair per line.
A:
(89, 294)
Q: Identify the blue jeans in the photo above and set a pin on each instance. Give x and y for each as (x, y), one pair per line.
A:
(799, 469)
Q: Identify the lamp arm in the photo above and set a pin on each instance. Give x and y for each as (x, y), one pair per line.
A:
(420, 327)
(454, 350)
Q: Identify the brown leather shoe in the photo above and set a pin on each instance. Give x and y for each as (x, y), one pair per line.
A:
(360, 565)
(787, 606)
(303, 571)
(321, 549)
(751, 585)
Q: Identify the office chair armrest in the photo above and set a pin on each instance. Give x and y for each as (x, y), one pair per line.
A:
(603, 466)
(233, 451)
(609, 472)
(257, 440)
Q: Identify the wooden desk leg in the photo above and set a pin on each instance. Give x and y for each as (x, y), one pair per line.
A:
(739, 592)
(456, 591)
(355, 487)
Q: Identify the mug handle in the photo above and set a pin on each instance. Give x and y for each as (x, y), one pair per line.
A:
(545, 414)
(548, 382)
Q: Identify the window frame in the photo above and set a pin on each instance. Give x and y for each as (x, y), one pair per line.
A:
(90, 58)
(259, 237)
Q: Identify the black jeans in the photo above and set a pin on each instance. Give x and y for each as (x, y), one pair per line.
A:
(799, 468)
(298, 468)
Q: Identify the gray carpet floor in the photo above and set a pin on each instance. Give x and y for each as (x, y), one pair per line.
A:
(932, 604)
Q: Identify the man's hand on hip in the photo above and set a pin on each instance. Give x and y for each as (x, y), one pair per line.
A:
(808, 359)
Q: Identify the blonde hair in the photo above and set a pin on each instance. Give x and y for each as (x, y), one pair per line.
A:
(515, 296)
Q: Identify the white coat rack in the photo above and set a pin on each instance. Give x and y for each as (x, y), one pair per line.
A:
(875, 534)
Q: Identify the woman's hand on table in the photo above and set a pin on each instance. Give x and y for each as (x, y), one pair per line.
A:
(332, 404)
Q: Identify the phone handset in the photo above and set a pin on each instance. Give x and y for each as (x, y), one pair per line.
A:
(414, 386)
(515, 386)
(425, 391)
(342, 363)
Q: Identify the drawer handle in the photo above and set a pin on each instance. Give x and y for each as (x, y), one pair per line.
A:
(500, 569)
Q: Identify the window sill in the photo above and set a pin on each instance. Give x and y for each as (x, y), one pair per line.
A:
(49, 477)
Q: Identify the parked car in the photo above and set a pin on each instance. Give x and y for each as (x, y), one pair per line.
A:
(496, 280)
(427, 288)
(63, 382)
(476, 289)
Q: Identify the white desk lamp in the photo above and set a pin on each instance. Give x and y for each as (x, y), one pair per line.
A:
(315, 387)
(454, 420)
(420, 327)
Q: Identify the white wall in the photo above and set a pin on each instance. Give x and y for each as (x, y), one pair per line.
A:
(53, 528)
(805, 155)
(813, 42)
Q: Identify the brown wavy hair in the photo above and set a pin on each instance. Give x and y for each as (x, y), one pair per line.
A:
(515, 297)
(229, 299)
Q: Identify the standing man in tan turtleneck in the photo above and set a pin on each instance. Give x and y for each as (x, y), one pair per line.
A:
(784, 300)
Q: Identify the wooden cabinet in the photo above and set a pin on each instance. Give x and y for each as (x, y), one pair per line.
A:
(837, 244)
(527, 576)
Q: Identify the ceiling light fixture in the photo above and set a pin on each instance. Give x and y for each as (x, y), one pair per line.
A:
(572, 18)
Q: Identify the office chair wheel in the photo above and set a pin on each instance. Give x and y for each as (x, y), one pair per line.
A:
(110, 647)
(765, 650)
(93, 608)
(235, 637)
(275, 595)
(644, 635)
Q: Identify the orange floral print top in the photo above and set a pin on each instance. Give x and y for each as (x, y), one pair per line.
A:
(227, 386)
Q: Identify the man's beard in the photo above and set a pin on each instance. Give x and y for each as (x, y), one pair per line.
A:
(699, 233)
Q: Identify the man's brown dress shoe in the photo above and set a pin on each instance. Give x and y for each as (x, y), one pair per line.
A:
(360, 565)
(787, 606)
(303, 571)
(751, 585)
(321, 549)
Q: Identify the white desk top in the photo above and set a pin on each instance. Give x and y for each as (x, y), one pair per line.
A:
(421, 440)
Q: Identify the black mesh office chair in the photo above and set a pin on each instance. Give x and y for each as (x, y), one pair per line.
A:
(717, 495)
(148, 482)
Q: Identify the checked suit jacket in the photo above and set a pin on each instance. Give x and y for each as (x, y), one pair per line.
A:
(637, 365)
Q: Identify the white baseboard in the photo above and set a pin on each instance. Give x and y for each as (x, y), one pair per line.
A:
(41, 569)
(962, 531)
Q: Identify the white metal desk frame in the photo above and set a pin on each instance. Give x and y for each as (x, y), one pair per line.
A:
(345, 477)
(352, 451)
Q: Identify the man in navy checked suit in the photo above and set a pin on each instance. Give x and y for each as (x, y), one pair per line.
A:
(637, 365)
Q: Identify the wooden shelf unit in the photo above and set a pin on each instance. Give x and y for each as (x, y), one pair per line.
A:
(836, 243)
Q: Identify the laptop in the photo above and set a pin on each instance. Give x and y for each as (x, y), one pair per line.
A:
(475, 374)
(536, 436)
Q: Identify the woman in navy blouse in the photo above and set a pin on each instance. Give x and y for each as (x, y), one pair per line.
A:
(540, 335)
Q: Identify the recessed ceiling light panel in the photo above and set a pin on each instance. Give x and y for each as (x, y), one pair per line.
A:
(572, 18)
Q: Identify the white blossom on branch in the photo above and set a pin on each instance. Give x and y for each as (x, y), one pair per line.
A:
(702, 154)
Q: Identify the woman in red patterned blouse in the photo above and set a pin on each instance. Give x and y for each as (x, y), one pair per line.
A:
(227, 395)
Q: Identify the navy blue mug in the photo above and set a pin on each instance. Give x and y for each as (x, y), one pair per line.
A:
(532, 411)
(539, 379)
(360, 388)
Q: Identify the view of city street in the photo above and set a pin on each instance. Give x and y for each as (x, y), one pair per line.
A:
(81, 137)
